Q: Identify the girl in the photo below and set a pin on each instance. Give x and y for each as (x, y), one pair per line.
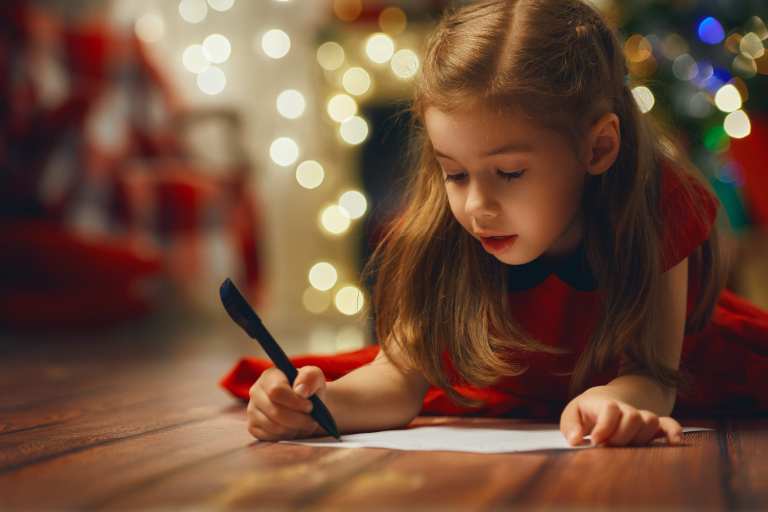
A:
(555, 254)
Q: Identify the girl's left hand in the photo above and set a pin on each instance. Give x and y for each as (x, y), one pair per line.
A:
(614, 422)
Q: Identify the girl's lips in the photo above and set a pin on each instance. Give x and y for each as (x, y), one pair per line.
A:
(498, 244)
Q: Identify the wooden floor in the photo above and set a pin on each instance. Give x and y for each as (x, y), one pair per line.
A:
(134, 419)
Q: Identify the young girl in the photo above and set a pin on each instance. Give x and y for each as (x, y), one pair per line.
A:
(555, 255)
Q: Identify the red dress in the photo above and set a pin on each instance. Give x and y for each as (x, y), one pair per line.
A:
(559, 305)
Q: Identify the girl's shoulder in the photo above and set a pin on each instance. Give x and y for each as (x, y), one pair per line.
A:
(688, 212)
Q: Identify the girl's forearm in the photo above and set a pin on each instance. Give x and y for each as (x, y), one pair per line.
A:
(641, 392)
(373, 397)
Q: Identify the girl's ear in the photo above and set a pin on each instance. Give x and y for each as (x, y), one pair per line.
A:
(603, 143)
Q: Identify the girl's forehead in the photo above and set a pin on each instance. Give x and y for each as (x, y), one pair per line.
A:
(481, 123)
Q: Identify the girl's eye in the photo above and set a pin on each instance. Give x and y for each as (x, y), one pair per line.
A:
(454, 177)
(508, 176)
(511, 175)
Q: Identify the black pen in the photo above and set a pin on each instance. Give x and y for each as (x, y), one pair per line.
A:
(244, 316)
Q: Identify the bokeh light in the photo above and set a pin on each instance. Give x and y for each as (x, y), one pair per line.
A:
(330, 55)
(728, 98)
(341, 107)
(275, 43)
(356, 81)
(737, 125)
(217, 48)
(393, 21)
(347, 10)
(212, 81)
(354, 202)
(334, 220)
(349, 300)
(644, 98)
(711, 31)
(315, 301)
(310, 174)
(379, 48)
(291, 104)
(405, 63)
(323, 276)
(284, 151)
(221, 5)
(195, 58)
(193, 11)
(354, 130)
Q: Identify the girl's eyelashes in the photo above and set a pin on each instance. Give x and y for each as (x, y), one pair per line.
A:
(507, 176)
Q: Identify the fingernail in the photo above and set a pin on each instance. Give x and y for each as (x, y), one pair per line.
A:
(678, 439)
(301, 389)
(574, 436)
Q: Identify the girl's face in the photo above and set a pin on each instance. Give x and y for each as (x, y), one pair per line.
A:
(505, 177)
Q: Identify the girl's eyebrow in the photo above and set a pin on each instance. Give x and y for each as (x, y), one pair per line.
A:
(511, 147)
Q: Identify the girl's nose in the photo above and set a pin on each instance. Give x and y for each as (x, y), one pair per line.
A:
(481, 203)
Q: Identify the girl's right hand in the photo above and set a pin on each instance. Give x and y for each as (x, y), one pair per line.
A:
(277, 411)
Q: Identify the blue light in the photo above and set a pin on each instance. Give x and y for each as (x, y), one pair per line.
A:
(711, 31)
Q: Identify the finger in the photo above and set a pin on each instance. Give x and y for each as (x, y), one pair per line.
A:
(629, 425)
(649, 429)
(270, 431)
(607, 422)
(672, 429)
(309, 381)
(571, 424)
(285, 421)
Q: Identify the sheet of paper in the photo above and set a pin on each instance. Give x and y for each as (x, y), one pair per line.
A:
(460, 439)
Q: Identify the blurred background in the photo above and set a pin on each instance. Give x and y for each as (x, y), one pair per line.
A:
(151, 148)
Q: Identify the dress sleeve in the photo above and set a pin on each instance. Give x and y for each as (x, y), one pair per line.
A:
(687, 216)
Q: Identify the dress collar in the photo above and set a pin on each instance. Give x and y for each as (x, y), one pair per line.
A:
(573, 269)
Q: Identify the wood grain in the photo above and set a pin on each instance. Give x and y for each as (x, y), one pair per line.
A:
(108, 422)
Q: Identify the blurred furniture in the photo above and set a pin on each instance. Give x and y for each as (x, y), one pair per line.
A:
(104, 202)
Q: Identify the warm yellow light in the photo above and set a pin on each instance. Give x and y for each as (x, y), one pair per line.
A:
(193, 11)
(310, 174)
(744, 65)
(637, 48)
(212, 81)
(737, 125)
(330, 55)
(354, 202)
(354, 130)
(347, 10)
(379, 48)
(150, 27)
(291, 104)
(275, 43)
(284, 151)
(392, 20)
(315, 301)
(404, 63)
(356, 81)
(323, 276)
(341, 107)
(217, 47)
(334, 219)
(644, 98)
(195, 58)
(728, 98)
(752, 46)
(221, 5)
(349, 300)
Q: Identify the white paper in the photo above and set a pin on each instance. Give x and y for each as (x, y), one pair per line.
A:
(460, 439)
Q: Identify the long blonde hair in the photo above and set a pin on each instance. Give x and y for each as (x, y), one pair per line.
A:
(437, 292)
